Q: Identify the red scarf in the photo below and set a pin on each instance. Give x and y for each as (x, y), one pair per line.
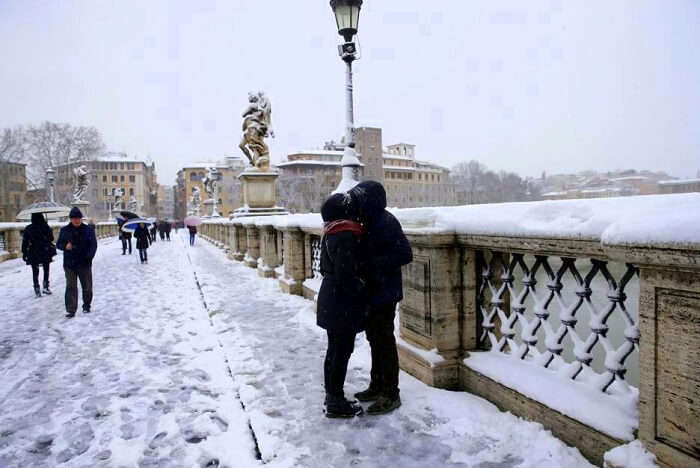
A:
(340, 225)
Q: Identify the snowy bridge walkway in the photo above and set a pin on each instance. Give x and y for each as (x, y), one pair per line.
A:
(192, 360)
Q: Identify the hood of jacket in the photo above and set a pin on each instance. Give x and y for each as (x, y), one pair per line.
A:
(370, 197)
(339, 206)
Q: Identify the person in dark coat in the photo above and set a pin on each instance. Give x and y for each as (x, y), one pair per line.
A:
(161, 229)
(79, 245)
(342, 299)
(193, 232)
(154, 232)
(38, 249)
(125, 237)
(143, 240)
(388, 251)
(168, 227)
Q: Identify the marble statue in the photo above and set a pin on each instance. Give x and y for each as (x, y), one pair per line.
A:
(119, 199)
(133, 205)
(195, 201)
(80, 183)
(257, 126)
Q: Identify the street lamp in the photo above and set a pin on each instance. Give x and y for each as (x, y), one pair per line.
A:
(347, 16)
(51, 180)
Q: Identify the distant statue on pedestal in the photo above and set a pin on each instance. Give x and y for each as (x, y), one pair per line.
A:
(211, 183)
(133, 205)
(257, 126)
(195, 201)
(119, 199)
(80, 183)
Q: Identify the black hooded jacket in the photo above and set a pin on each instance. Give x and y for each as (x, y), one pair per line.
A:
(342, 299)
(387, 245)
(37, 241)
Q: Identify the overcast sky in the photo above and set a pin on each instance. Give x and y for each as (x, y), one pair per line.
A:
(524, 86)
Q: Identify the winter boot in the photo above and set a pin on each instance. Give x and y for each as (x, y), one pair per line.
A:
(46, 289)
(37, 291)
(384, 404)
(370, 394)
(339, 407)
(70, 314)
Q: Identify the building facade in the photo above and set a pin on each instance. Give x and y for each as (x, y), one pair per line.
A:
(166, 202)
(229, 187)
(308, 177)
(679, 185)
(13, 189)
(107, 174)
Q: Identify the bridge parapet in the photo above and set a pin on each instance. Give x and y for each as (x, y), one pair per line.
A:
(582, 315)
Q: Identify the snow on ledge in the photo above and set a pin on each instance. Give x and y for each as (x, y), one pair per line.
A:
(432, 356)
(632, 455)
(614, 413)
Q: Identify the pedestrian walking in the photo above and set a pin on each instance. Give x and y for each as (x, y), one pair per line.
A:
(79, 245)
(388, 250)
(168, 227)
(342, 298)
(38, 250)
(154, 231)
(143, 240)
(193, 232)
(125, 237)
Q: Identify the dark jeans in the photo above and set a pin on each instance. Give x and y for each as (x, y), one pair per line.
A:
(35, 274)
(335, 366)
(192, 234)
(124, 244)
(84, 274)
(385, 357)
(143, 255)
(167, 234)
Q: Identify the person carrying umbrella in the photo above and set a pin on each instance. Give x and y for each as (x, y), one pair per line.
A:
(193, 232)
(143, 240)
(124, 236)
(79, 245)
(38, 249)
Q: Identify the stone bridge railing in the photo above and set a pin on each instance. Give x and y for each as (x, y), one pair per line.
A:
(582, 315)
(11, 236)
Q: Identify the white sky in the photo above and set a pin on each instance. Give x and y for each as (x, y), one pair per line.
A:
(524, 86)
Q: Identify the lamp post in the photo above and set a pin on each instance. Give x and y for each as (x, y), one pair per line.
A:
(51, 181)
(347, 15)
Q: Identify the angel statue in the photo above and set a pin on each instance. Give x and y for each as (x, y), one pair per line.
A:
(133, 205)
(195, 201)
(119, 199)
(257, 126)
(80, 183)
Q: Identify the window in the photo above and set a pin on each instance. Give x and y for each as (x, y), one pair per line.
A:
(193, 176)
(131, 191)
(130, 166)
(104, 178)
(132, 179)
(121, 178)
(104, 191)
(121, 166)
(114, 179)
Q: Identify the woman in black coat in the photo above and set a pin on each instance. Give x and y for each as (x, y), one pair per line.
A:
(143, 240)
(38, 249)
(342, 299)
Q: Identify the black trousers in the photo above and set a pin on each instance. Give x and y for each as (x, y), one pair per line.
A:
(124, 244)
(335, 366)
(385, 357)
(143, 255)
(35, 274)
(84, 274)
(167, 234)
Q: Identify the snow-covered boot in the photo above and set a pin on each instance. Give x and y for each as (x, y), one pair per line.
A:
(339, 407)
(37, 291)
(46, 288)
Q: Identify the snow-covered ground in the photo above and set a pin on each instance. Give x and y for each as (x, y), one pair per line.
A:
(193, 360)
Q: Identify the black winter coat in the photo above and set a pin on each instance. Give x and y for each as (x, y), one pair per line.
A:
(388, 248)
(143, 238)
(84, 246)
(37, 244)
(342, 299)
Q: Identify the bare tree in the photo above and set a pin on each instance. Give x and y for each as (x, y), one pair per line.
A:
(12, 145)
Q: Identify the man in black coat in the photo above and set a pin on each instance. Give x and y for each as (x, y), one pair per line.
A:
(125, 237)
(79, 245)
(342, 299)
(388, 251)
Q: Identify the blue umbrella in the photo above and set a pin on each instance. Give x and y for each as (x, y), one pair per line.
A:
(132, 224)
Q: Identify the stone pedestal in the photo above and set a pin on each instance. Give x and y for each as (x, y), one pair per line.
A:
(258, 193)
(83, 207)
(268, 252)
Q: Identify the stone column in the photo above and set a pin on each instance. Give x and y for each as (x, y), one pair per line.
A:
(252, 246)
(294, 276)
(268, 251)
(430, 310)
(13, 243)
(240, 243)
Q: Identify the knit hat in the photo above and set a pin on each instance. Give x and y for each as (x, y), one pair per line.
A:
(75, 213)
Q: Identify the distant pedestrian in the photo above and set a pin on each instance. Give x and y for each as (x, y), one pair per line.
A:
(79, 245)
(168, 227)
(143, 240)
(161, 229)
(342, 299)
(154, 231)
(193, 232)
(125, 237)
(38, 249)
(388, 251)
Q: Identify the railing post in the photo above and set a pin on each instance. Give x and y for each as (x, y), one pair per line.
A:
(430, 310)
(252, 245)
(240, 243)
(293, 279)
(268, 251)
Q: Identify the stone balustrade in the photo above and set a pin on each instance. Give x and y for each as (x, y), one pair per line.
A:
(11, 236)
(593, 333)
